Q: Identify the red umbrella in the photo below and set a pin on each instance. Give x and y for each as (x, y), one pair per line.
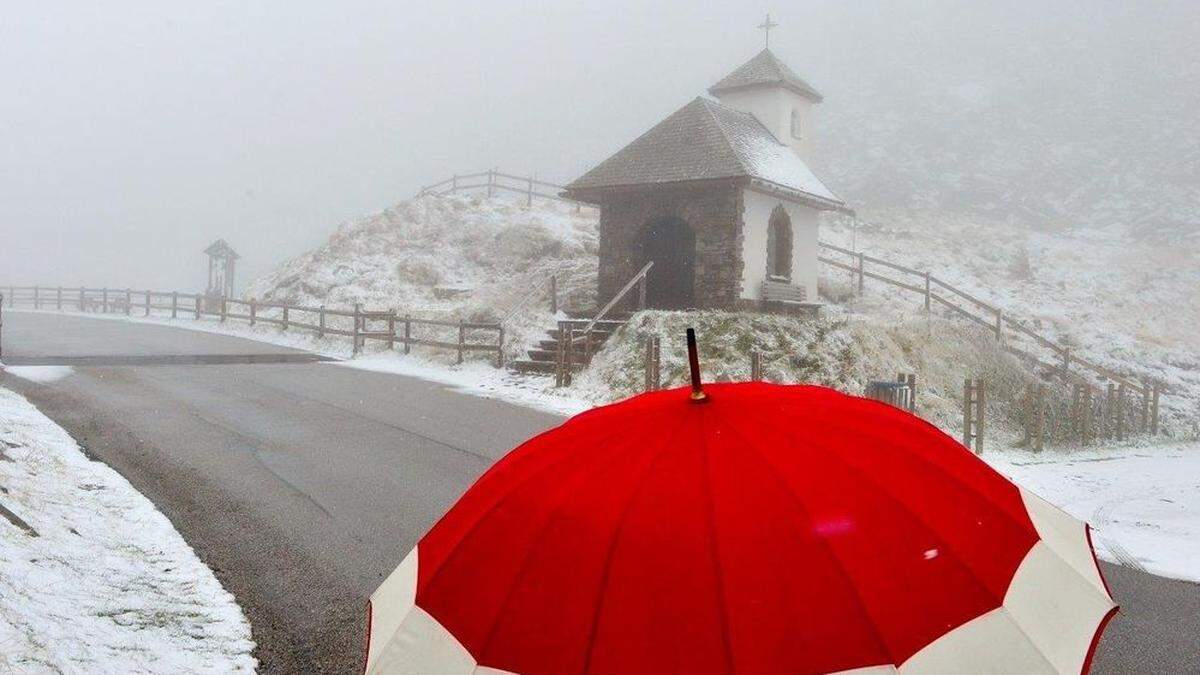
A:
(768, 529)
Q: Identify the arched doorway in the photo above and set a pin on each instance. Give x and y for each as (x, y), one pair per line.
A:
(671, 244)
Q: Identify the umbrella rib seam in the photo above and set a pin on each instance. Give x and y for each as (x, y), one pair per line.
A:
(839, 566)
(714, 549)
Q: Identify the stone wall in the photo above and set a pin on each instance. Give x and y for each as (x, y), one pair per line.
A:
(713, 211)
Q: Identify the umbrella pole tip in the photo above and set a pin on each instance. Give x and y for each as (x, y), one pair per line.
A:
(694, 364)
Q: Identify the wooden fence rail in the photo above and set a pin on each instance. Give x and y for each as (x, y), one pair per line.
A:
(494, 180)
(965, 305)
(388, 326)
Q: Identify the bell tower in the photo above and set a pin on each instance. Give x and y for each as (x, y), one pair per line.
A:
(771, 91)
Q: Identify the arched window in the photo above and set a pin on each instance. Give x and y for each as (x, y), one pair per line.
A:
(779, 245)
(797, 125)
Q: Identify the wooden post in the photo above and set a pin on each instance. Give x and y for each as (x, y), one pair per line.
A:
(560, 337)
(60, 298)
(197, 307)
(554, 294)
(861, 272)
(1066, 366)
(500, 345)
(1144, 416)
(253, 310)
(1039, 419)
(999, 325)
(321, 322)
(462, 338)
(1089, 414)
(285, 318)
(224, 309)
(968, 399)
(755, 365)
(128, 301)
(928, 295)
(1154, 409)
(407, 333)
(391, 329)
(1121, 412)
(174, 304)
(357, 310)
(569, 356)
(980, 414)
(104, 301)
(147, 308)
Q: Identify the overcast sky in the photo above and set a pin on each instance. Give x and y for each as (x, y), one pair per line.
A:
(133, 133)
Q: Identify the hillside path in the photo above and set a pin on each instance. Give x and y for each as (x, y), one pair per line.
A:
(303, 483)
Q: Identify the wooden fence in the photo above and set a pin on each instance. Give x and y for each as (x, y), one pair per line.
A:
(494, 181)
(1007, 329)
(388, 326)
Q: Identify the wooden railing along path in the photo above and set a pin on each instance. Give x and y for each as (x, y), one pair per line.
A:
(493, 181)
(359, 324)
(1003, 326)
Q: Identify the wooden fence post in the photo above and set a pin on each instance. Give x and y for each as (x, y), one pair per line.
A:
(1154, 409)
(554, 294)
(197, 307)
(968, 397)
(462, 338)
(321, 322)
(174, 304)
(861, 272)
(500, 345)
(1109, 408)
(391, 329)
(928, 294)
(104, 301)
(569, 356)
(128, 301)
(407, 333)
(357, 311)
(1144, 416)
(999, 325)
(82, 299)
(755, 365)
(1121, 412)
(1066, 364)
(974, 412)
(147, 303)
(224, 309)
(253, 310)
(285, 321)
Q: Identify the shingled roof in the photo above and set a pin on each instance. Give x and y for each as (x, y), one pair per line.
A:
(765, 69)
(705, 140)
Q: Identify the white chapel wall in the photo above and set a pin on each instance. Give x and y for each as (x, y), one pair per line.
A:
(756, 217)
(773, 107)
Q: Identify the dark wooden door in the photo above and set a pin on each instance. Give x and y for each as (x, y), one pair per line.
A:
(671, 244)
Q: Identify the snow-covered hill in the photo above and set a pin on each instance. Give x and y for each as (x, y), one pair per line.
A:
(1129, 304)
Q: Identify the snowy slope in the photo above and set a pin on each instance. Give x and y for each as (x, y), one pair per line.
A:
(107, 585)
(450, 257)
(1131, 305)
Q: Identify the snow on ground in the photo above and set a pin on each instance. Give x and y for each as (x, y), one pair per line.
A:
(1143, 503)
(40, 374)
(1130, 305)
(107, 585)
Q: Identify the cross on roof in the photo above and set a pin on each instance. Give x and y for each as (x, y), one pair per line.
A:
(766, 27)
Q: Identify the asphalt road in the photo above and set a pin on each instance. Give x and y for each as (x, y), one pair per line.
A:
(303, 483)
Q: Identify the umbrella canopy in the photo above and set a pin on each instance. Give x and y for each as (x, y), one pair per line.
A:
(768, 529)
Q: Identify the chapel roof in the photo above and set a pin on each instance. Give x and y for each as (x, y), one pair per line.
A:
(706, 140)
(763, 70)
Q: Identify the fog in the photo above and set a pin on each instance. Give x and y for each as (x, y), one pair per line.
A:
(132, 134)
